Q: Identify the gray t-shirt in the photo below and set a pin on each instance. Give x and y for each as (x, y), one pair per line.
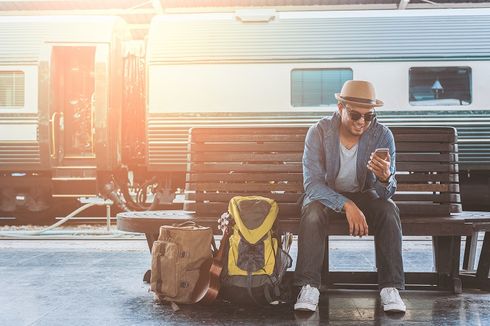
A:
(347, 178)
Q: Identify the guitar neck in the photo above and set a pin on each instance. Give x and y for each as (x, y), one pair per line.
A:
(222, 245)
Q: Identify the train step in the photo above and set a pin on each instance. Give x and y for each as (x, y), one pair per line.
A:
(74, 187)
(78, 171)
(78, 161)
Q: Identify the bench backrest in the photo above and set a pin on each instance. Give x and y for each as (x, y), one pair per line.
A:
(266, 161)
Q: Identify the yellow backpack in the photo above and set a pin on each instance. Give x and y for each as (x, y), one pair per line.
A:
(256, 262)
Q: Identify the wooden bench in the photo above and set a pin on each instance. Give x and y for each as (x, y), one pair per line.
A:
(226, 162)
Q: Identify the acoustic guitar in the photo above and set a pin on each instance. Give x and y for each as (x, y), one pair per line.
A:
(208, 285)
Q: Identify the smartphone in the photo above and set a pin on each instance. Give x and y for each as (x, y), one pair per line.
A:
(382, 153)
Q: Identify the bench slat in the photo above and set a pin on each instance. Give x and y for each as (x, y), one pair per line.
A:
(251, 167)
(248, 186)
(226, 196)
(426, 167)
(437, 198)
(247, 156)
(424, 177)
(238, 176)
(465, 223)
(428, 187)
(247, 131)
(424, 137)
(249, 147)
(421, 209)
(401, 130)
(425, 157)
(425, 147)
(243, 137)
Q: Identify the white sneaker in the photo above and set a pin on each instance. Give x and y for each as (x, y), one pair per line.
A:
(390, 298)
(307, 298)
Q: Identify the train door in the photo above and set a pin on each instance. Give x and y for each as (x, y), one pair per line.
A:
(73, 94)
(74, 87)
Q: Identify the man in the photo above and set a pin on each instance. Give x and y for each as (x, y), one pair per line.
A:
(343, 176)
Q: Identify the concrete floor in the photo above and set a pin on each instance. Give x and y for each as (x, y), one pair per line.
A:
(99, 282)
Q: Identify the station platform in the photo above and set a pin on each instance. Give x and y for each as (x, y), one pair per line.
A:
(91, 281)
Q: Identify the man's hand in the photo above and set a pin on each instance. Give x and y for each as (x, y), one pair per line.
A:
(380, 167)
(356, 219)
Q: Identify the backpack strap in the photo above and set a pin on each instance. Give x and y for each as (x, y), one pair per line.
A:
(249, 288)
(267, 292)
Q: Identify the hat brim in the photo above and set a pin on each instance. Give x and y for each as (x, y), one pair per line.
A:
(368, 105)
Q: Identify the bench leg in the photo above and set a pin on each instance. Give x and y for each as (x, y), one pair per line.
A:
(446, 259)
(483, 270)
(467, 250)
(470, 252)
(325, 267)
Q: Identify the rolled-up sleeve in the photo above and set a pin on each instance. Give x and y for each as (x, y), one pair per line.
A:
(314, 172)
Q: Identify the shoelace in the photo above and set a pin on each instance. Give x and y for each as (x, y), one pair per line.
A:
(392, 297)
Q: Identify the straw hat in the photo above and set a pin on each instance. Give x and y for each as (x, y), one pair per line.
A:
(358, 92)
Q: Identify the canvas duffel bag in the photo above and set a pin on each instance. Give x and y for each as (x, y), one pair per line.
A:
(180, 258)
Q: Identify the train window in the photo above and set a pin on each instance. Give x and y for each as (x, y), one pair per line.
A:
(316, 87)
(430, 86)
(11, 89)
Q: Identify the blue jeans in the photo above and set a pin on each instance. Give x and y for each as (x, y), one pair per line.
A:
(383, 219)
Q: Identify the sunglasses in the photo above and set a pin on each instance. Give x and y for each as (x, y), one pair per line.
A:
(354, 115)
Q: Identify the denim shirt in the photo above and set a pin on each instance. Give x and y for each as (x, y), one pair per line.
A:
(321, 162)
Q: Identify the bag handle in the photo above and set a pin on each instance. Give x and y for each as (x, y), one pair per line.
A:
(189, 223)
(192, 223)
(186, 223)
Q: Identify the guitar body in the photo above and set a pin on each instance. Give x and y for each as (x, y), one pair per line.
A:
(214, 282)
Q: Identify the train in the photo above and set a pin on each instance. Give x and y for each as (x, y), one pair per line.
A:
(86, 111)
